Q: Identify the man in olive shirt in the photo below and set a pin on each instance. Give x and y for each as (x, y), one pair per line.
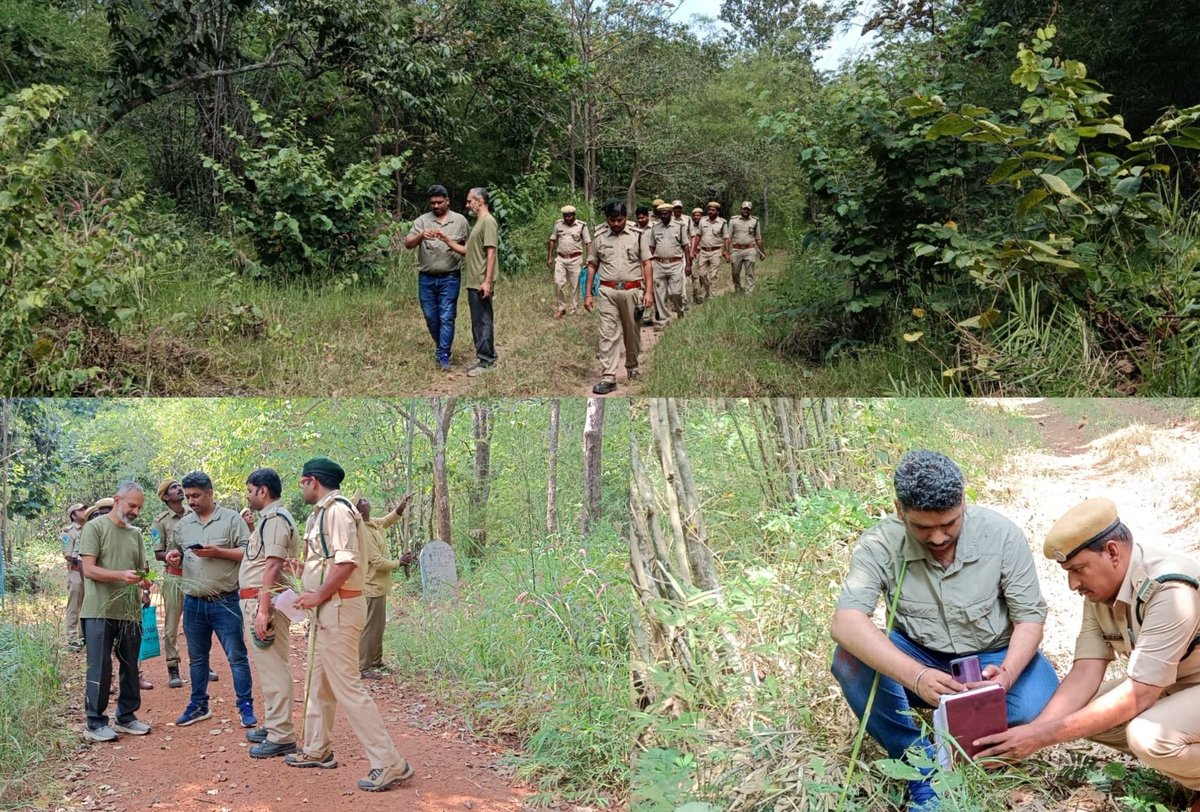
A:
(969, 587)
(669, 247)
(481, 254)
(333, 584)
(72, 630)
(746, 243)
(1139, 603)
(273, 543)
(170, 493)
(376, 583)
(620, 258)
(439, 268)
(569, 241)
(710, 244)
(114, 573)
(210, 542)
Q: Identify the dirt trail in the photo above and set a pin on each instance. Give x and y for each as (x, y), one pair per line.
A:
(1150, 468)
(205, 766)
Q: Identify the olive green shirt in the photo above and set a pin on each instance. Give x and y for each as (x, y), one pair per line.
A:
(208, 577)
(486, 234)
(434, 256)
(668, 243)
(337, 525)
(743, 231)
(619, 257)
(274, 537)
(115, 548)
(1157, 641)
(967, 607)
(379, 567)
(570, 239)
(713, 232)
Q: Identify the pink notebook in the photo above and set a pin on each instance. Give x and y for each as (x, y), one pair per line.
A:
(968, 716)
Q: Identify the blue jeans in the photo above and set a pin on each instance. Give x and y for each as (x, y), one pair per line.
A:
(894, 730)
(201, 620)
(439, 303)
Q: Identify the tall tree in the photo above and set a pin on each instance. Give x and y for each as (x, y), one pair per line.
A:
(482, 421)
(593, 442)
(552, 471)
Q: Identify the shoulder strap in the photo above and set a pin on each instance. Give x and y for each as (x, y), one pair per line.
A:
(321, 524)
(1151, 586)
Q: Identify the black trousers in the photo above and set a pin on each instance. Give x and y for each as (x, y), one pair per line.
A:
(102, 637)
(482, 326)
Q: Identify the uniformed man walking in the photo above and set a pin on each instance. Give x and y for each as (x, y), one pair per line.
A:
(746, 240)
(1139, 603)
(376, 584)
(669, 248)
(272, 544)
(170, 493)
(620, 258)
(569, 241)
(439, 268)
(333, 583)
(72, 630)
(711, 245)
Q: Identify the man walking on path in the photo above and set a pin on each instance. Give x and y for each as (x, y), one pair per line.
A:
(711, 245)
(620, 258)
(170, 493)
(745, 234)
(72, 629)
(569, 241)
(669, 247)
(439, 268)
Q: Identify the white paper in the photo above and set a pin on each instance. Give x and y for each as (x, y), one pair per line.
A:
(285, 602)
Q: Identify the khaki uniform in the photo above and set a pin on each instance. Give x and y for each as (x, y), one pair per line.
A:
(570, 244)
(618, 260)
(274, 537)
(707, 265)
(743, 251)
(333, 535)
(668, 246)
(161, 531)
(376, 585)
(72, 631)
(1155, 622)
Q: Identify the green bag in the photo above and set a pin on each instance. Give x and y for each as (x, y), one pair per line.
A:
(150, 647)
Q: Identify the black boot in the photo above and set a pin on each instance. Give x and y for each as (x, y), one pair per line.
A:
(173, 674)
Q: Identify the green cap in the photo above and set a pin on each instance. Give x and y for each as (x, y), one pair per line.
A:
(326, 466)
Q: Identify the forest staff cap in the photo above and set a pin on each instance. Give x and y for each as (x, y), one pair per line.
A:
(663, 207)
(247, 512)
(1079, 527)
(746, 204)
(326, 466)
(677, 204)
(163, 487)
(714, 203)
(106, 502)
(658, 201)
(77, 506)
(567, 210)
(697, 210)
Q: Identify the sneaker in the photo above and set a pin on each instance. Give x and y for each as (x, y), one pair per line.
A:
(478, 369)
(604, 387)
(921, 797)
(100, 734)
(371, 673)
(258, 735)
(633, 374)
(212, 676)
(174, 680)
(247, 712)
(135, 728)
(272, 749)
(303, 759)
(193, 714)
(381, 779)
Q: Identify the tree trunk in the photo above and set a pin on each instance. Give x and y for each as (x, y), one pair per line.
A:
(5, 453)
(443, 411)
(552, 472)
(593, 440)
(787, 447)
(482, 420)
(695, 532)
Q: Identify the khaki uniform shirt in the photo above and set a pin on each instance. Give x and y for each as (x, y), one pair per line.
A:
(967, 607)
(570, 239)
(619, 257)
(743, 231)
(689, 228)
(379, 566)
(163, 526)
(486, 234)
(70, 539)
(337, 524)
(434, 256)
(115, 548)
(274, 537)
(1156, 642)
(669, 242)
(208, 577)
(713, 232)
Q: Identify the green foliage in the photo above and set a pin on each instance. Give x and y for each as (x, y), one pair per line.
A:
(300, 211)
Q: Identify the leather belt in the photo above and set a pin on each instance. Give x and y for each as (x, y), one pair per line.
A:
(248, 594)
(349, 593)
(570, 256)
(669, 259)
(621, 285)
(712, 248)
(73, 567)
(174, 570)
(747, 245)
(219, 597)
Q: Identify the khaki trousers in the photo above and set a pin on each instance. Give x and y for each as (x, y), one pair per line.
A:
(274, 673)
(72, 631)
(370, 647)
(742, 261)
(704, 273)
(668, 290)
(335, 682)
(616, 324)
(172, 594)
(566, 282)
(1165, 737)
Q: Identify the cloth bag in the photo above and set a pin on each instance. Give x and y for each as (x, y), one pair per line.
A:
(150, 647)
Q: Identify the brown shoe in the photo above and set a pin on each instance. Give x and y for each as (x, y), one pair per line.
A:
(381, 779)
(146, 684)
(558, 314)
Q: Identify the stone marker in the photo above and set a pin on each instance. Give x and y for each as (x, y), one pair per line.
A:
(439, 578)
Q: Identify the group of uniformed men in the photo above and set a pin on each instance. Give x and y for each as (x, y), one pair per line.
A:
(222, 572)
(639, 272)
(966, 585)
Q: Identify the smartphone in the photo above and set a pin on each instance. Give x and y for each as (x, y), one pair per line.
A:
(195, 546)
(966, 669)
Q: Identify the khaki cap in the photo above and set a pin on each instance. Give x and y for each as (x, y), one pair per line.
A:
(663, 207)
(247, 512)
(567, 210)
(1079, 527)
(697, 210)
(106, 502)
(75, 507)
(677, 204)
(746, 204)
(714, 203)
(658, 201)
(163, 487)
